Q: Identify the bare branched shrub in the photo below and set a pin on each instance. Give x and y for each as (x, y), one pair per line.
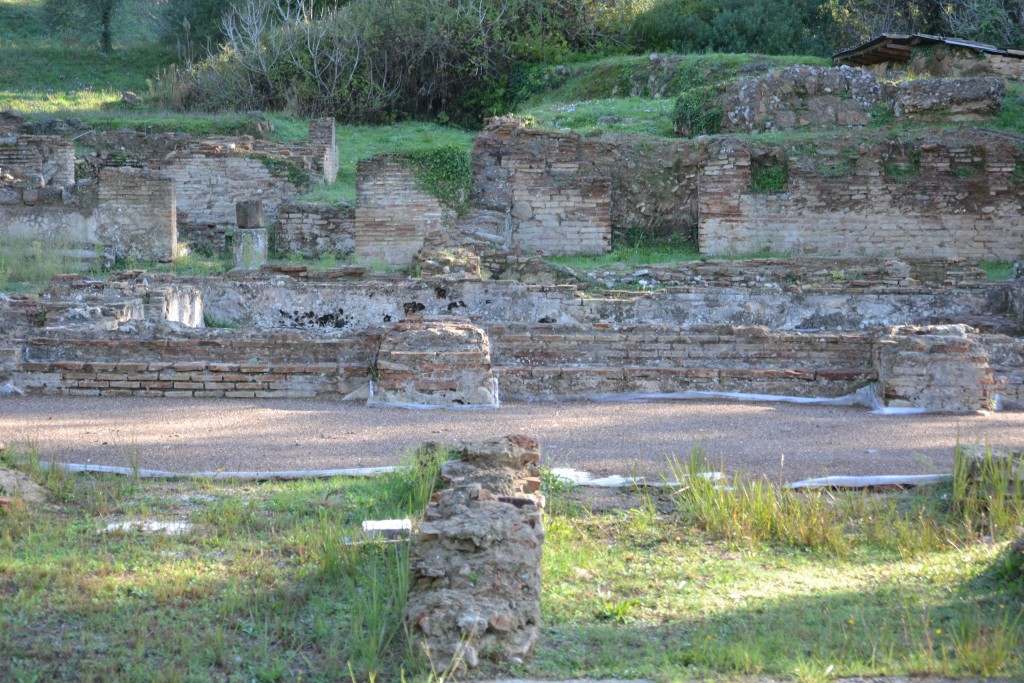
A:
(376, 60)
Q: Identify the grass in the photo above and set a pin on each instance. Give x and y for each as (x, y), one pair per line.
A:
(634, 248)
(997, 271)
(26, 266)
(635, 115)
(263, 587)
(699, 582)
(1011, 113)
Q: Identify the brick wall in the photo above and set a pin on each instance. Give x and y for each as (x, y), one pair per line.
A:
(211, 364)
(555, 186)
(322, 137)
(129, 211)
(137, 213)
(603, 358)
(315, 229)
(208, 185)
(956, 198)
(47, 156)
(393, 216)
(530, 360)
(211, 175)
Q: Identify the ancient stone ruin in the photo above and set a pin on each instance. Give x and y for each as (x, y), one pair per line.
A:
(475, 563)
(880, 236)
(818, 97)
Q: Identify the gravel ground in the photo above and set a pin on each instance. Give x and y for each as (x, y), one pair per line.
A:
(602, 438)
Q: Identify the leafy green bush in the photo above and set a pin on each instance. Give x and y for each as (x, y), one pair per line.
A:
(765, 26)
(697, 111)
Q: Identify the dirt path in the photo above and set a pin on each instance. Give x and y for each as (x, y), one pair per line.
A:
(603, 438)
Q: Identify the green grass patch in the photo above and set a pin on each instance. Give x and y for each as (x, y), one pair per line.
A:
(997, 270)
(623, 76)
(769, 179)
(26, 266)
(635, 95)
(696, 111)
(634, 115)
(700, 581)
(964, 172)
(262, 588)
(902, 171)
(634, 248)
(1011, 113)
(362, 142)
(70, 81)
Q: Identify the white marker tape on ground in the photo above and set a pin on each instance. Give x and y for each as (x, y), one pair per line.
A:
(615, 481)
(858, 398)
(877, 480)
(166, 474)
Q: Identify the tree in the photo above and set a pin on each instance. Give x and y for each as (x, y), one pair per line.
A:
(1000, 22)
(85, 16)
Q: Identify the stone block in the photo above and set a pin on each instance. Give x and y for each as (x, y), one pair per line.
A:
(249, 213)
(250, 248)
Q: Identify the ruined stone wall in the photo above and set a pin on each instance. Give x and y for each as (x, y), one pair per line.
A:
(322, 138)
(359, 304)
(1006, 67)
(315, 229)
(555, 187)
(1006, 357)
(603, 358)
(654, 186)
(51, 214)
(943, 199)
(208, 185)
(393, 215)
(129, 211)
(815, 97)
(49, 159)
(944, 61)
(801, 96)
(207, 364)
(138, 217)
(943, 369)
(212, 174)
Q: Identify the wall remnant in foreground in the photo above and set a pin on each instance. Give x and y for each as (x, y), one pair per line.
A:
(138, 216)
(475, 585)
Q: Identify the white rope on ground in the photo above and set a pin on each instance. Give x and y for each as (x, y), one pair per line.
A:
(572, 476)
(218, 474)
(869, 481)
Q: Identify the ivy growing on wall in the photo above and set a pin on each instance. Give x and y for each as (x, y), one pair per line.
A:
(445, 173)
(282, 168)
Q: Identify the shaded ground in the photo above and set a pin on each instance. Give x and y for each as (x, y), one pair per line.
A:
(603, 438)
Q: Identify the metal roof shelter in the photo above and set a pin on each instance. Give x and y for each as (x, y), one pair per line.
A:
(896, 47)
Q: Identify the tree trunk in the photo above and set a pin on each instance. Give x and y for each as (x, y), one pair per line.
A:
(106, 36)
